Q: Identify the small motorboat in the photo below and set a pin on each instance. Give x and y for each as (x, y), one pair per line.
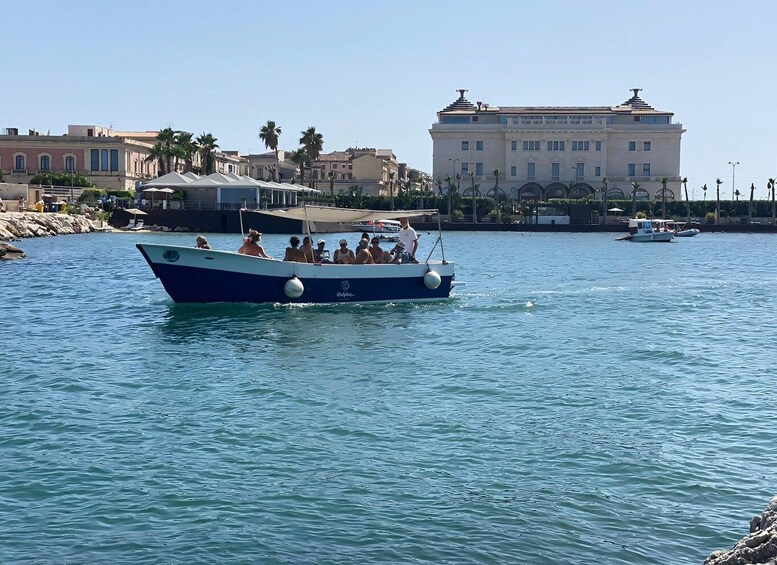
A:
(203, 275)
(642, 230)
(378, 226)
(679, 229)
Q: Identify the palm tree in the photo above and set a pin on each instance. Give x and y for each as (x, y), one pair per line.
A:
(634, 187)
(687, 202)
(497, 173)
(166, 138)
(704, 190)
(208, 147)
(157, 153)
(331, 176)
(391, 188)
(188, 146)
(604, 199)
(422, 187)
(750, 206)
(474, 198)
(717, 201)
(664, 180)
(774, 208)
(313, 143)
(269, 134)
(301, 158)
(736, 194)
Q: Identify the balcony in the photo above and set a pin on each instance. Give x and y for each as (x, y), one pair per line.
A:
(19, 172)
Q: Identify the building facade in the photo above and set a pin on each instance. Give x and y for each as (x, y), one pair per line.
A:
(559, 152)
(110, 159)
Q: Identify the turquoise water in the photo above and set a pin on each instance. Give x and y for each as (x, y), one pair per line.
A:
(580, 400)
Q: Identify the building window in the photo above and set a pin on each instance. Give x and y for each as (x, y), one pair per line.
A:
(530, 170)
(632, 145)
(514, 145)
(645, 169)
(597, 171)
(464, 168)
(45, 163)
(598, 145)
(555, 145)
(581, 145)
(479, 169)
(580, 171)
(95, 160)
(114, 159)
(555, 171)
(350, 167)
(478, 146)
(646, 146)
(103, 159)
(465, 145)
(474, 118)
(513, 171)
(531, 145)
(334, 165)
(19, 163)
(70, 163)
(632, 170)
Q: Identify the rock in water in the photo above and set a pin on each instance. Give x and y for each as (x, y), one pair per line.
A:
(760, 547)
(8, 251)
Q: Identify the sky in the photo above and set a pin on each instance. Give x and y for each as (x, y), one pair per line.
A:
(374, 73)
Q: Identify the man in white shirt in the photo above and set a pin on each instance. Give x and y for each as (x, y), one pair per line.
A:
(408, 236)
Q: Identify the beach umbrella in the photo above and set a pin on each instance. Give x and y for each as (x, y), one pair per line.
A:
(152, 191)
(616, 209)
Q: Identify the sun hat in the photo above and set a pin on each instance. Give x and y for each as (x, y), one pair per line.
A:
(343, 241)
(320, 241)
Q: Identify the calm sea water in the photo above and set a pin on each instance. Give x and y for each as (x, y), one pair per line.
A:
(580, 400)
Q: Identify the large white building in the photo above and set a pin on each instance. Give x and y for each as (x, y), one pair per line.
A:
(559, 152)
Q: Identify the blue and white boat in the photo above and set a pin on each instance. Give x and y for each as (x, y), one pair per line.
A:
(189, 274)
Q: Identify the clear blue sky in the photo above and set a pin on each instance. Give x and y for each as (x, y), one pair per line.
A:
(374, 73)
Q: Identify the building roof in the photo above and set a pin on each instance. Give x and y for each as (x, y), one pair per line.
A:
(635, 104)
(335, 156)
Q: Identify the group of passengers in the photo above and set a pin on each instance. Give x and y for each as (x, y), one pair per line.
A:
(368, 252)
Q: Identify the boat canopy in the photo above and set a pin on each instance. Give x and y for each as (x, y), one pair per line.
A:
(342, 215)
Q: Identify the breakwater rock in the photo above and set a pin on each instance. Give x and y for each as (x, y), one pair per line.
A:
(8, 251)
(17, 225)
(760, 547)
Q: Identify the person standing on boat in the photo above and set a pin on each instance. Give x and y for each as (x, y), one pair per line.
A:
(408, 236)
(251, 245)
(294, 254)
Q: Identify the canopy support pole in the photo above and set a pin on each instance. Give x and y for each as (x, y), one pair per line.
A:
(439, 237)
(241, 222)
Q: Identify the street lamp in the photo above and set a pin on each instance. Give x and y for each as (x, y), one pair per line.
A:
(604, 199)
(453, 162)
(733, 174)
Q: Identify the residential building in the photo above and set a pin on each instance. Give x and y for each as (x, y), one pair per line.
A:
(269, 165)
(110, 159)
(560, 152)
(372, 169)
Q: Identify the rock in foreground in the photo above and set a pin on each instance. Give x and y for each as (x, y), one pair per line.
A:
(8, 251)
(760, 547)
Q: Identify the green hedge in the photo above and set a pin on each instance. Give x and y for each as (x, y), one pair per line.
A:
(61, 179)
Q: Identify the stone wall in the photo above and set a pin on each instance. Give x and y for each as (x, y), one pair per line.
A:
(17, 225)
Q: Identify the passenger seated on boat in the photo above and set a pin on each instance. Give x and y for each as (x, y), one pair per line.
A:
(321, 253)
(251, 245)
(294, 254)
(400, 255)
(307, 249)
(378, 254)
(344, 256)
(363, 255)
(202, 243)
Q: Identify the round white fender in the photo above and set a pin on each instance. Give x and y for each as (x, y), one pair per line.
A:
(293, 288)
(432, 280)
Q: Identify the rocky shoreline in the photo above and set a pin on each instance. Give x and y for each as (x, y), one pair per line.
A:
(20, 225)
(760, 547)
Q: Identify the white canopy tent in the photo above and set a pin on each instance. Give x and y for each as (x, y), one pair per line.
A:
(343, 215)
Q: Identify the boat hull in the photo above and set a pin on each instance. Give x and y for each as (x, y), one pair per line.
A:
(197, 276)
(661, 237)
(687, 233)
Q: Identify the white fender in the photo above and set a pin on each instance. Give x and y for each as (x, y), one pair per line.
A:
(293, 288)
(432, 280)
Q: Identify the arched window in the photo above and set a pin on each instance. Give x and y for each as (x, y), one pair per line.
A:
(20, 162)
(45, 163)
(70, 163)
